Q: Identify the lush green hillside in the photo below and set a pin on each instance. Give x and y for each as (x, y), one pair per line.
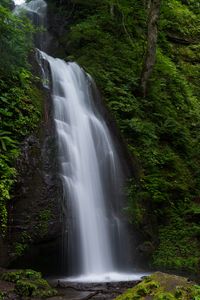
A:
(19, 109)
(109, 40)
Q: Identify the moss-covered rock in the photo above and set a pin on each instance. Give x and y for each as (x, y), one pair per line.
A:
(162, 286)
(2, 295)
(14, 276)
(25, 288)
(29, 283)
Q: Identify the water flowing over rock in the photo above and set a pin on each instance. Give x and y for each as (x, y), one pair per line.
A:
(36, 11)
(91, 173)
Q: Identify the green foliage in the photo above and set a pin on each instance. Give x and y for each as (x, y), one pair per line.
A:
(19, 109)
(34, 288)
(29, 283)
(19, 117)
(25, 288)
(2, 295)
(7, 174)
(19, 248)
(15, 41)
(43, 222)
(179, 19)
(23, 243)
(14, 276)
(161, 131)
(161, 286)
(179, 245)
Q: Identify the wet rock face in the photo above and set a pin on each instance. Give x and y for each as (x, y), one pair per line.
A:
(35, 212)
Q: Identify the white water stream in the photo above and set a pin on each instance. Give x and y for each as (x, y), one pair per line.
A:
(95, 244)
(89, 168)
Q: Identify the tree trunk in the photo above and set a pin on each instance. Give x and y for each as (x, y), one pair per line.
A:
(150, 57)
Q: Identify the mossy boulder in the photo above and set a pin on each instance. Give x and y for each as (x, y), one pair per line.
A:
(29, 283)
(162, 286)
(2, 295)
(14, 276)
(25, 288)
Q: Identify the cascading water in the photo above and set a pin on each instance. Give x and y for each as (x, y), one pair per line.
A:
(36, 11)
(95, 244)
(90, 171)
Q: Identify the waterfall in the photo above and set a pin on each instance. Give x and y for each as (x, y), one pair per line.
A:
(36, 11)
(89, 168)
(95, 239)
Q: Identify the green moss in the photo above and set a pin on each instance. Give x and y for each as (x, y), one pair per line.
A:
(43, 222)
(19, 248)
(2, 295)
(45, 293)
(164, 296)
(179, 245)
(14, 276)
(29, 283)
(34, 288)
(23, 244)
(25, 288)
(161, 286)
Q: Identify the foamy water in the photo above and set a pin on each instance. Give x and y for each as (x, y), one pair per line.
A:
(106, 277)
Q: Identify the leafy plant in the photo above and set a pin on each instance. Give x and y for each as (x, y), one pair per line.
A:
(19, 112)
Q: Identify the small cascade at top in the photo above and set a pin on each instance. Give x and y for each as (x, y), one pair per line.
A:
(36, 11)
